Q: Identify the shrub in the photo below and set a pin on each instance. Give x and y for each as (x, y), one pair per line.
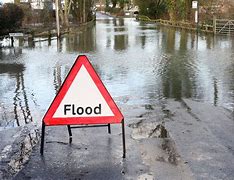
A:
(11, 17)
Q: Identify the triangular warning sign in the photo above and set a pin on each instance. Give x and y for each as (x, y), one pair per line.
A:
(82, 99)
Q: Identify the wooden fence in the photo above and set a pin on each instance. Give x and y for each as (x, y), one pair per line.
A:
(179, 24)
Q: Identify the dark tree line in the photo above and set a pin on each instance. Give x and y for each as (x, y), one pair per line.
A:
(181, 10)
(170, 9)
(11, 17)
(70, 12)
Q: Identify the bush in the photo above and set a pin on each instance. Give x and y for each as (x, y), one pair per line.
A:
(154, 9)
(11, 17)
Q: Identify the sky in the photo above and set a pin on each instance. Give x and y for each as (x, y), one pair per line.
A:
(5, 1)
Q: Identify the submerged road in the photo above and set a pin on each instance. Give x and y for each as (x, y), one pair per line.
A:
(175, 140)
(175, 90)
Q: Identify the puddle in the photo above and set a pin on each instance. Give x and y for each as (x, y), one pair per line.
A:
(149, 107)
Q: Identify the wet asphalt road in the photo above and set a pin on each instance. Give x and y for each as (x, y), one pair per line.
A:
(192, 145)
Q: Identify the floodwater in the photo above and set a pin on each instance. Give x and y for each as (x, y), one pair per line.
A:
(139, 63)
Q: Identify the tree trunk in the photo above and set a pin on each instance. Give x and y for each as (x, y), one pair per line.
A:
(80, 11)
(188, 7)
(172, 10)
(84, 8)
(66, 21)
(61, 15)
(114, 2)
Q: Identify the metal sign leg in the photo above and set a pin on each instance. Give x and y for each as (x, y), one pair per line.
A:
(42, 137)
(123, 136)
(70, 133)
(109, 129)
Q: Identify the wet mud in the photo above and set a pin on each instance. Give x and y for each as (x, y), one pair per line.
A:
(18, 151)
(143, 130)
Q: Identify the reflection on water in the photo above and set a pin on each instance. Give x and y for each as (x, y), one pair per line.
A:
(139, 63)
(21, 112)
(121, 36)
(178, 79)
(57, 78)
(81, 42)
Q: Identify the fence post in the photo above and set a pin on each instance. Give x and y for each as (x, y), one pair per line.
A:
(214, 24)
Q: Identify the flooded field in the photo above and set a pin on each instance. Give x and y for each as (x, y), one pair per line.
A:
(139, 63)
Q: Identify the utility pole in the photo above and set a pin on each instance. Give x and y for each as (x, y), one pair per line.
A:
(57, 18)
(195, 5)
(197, 15)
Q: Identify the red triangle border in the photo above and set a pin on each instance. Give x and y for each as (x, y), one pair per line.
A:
(50, 121)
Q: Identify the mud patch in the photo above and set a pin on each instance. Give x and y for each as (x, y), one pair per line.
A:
(149, 107)
(189, 110)
(145, 177)
(136, 125)
(167, 113)
(14, 156)
(158, 152)
(169, 147)
(147, 114)
(143, 130)
(59, 142)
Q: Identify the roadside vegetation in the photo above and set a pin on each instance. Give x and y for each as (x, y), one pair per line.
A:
(28, 16)
(76, 12)
(181, 10)
(11, 17)
(175, 10)
(116, 7)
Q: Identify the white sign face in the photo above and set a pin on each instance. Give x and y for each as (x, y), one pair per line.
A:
(194, 4)
(83, 99)
(16, 34)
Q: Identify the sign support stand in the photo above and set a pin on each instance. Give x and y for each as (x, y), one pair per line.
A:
(42, 138)
(73, 109)
(123, 136)
(109, 129)
(70, 134)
